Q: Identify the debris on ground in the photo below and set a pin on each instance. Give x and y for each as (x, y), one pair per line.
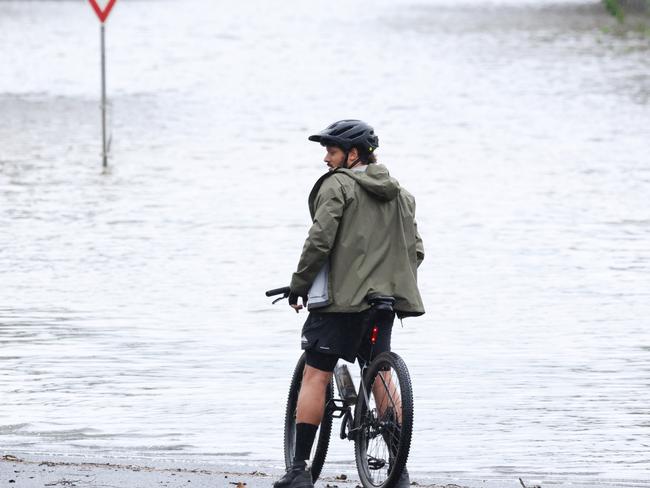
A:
(531, 486)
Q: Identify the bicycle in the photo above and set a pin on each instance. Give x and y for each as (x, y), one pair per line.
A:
(382, 423)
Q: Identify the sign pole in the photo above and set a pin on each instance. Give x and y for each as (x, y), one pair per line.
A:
(102, 15)
(103, 48)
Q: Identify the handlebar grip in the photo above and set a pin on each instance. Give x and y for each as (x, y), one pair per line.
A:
(278, 291)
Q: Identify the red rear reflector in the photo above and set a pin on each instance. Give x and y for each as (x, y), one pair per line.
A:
(373, 336)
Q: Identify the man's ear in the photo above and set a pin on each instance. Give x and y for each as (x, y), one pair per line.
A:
(353, 155)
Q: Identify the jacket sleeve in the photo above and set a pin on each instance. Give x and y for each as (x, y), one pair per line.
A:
(419, 245)
(329, 206)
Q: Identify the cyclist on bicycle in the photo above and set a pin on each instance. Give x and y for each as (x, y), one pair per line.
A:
(363, 243)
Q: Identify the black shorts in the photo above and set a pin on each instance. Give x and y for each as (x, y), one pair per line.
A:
(329, 336)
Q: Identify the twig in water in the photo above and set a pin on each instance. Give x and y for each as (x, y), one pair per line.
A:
(532, 486)
(64, 482)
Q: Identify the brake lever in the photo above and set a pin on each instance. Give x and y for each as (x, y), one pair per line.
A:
(278, 299)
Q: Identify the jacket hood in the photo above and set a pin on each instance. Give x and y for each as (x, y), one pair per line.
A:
(376, 181)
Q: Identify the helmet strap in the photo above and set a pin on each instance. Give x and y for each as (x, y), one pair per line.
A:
(354, 163)
(351, 165)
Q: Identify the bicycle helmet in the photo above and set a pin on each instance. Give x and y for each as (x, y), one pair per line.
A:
(347, 134)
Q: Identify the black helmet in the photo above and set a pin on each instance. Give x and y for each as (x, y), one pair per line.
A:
(348, 134)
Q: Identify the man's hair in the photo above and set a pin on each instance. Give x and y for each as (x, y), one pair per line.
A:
(366, 156)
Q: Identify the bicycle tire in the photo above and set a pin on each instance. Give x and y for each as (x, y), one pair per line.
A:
(371, 425)
(321, 444)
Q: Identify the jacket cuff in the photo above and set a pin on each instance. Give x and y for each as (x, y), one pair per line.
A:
(298, 285)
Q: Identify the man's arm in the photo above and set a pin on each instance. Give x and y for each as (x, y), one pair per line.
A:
(329, 206)
(419, 245)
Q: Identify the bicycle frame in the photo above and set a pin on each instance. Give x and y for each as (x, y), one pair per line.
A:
(339, 408)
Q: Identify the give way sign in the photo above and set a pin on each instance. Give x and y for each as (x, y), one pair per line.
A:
(102, 13)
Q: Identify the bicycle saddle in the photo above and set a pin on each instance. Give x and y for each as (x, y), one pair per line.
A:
(379, 302)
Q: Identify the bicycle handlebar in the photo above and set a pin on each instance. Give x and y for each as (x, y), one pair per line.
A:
(278, 291)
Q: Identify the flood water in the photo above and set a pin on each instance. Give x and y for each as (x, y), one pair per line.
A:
(132, 316)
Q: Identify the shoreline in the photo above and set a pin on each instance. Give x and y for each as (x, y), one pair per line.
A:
(58, 471)
(39, 471)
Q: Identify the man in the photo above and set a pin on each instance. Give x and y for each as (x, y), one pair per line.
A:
(363, 243)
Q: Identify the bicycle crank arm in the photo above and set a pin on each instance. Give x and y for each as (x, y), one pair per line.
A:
(346, 425)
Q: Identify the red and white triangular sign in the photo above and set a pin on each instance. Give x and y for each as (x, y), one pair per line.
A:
(102, 13)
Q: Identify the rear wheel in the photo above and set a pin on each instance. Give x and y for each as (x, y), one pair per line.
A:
(384, 423)
(321, 444)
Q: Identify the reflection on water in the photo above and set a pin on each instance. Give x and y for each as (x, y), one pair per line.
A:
(132, 319)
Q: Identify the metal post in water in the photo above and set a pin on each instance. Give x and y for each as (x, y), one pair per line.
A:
(104, 148)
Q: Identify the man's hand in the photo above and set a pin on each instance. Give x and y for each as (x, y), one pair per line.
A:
(293, 301)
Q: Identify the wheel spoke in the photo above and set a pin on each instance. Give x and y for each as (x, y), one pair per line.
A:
(380, 438)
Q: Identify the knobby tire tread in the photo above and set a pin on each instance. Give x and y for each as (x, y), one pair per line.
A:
(406, 391)
(323, 439)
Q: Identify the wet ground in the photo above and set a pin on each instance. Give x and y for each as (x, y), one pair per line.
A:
(61, 472)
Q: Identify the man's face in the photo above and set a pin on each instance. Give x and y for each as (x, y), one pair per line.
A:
(334, 157)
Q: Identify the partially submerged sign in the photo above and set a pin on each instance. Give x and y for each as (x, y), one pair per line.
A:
(102, 13)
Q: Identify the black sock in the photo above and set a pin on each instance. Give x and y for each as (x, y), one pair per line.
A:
(305, 435)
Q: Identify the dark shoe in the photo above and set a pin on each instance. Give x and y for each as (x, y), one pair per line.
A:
(298, 476)
(404, 481)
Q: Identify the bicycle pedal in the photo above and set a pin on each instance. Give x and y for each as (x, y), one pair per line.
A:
(336, 408)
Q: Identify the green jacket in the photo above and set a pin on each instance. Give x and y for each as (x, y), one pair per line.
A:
(363, 242)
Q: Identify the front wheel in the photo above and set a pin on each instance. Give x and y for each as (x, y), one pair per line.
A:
(321, 444)
(384, 422)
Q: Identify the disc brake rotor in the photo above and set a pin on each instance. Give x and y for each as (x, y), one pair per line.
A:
(375, 463)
